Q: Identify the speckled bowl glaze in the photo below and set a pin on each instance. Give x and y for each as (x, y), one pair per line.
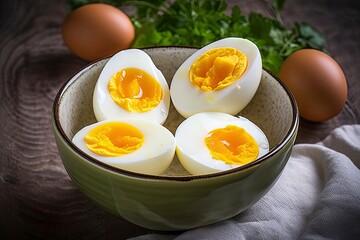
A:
(175, 200)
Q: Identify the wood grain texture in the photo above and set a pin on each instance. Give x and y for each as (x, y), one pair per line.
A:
(337, 21)
(37, 198)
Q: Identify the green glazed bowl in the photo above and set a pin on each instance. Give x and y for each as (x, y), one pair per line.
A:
(175, 200)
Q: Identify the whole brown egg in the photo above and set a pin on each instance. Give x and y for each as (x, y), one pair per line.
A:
(317, 83)
(97, 30)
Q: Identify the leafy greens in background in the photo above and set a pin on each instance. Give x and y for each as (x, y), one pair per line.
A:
(200, 22)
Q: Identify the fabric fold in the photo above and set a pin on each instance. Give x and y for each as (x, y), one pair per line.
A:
(316, 197)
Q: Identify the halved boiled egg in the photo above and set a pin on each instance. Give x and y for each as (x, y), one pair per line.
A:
(220, 77)
(136, 145)
(130, 85)
(211, 142)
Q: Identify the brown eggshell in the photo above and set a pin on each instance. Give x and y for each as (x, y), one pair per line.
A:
(317, 82)
(97, 30)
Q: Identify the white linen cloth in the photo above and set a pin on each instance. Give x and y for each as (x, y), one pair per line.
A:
(316, 197)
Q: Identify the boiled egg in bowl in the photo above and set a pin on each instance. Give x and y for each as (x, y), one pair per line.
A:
(136, 145)
(130, 85)
(211, 142)
(220, 77)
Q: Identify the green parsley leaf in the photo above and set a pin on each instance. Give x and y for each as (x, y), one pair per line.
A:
(199, 22)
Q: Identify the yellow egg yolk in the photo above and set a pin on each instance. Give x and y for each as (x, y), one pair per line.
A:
(135, 90)
(218, 68)
(114, 139)
(232, 145)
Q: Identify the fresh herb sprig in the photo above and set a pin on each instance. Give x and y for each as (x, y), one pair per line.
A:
(200, 22)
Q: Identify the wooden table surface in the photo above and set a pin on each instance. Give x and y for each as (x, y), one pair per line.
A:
(37, 198)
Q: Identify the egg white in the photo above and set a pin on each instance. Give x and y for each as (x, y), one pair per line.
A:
(189, 99)
(191, 148)
(104, 106)
(153, 157)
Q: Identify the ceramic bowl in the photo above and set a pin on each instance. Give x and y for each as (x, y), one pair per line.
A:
(175, 200)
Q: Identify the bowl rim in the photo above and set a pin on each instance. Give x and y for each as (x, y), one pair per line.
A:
(115, 170)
